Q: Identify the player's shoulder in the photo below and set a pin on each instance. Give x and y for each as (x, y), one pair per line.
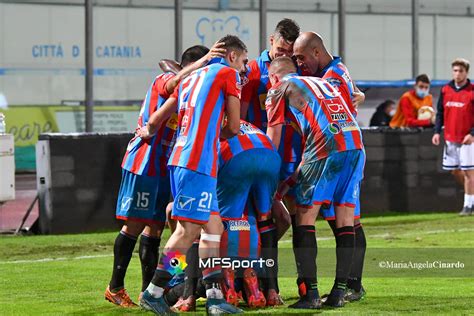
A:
(165, 76)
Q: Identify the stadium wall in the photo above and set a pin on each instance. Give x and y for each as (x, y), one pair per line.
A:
(78, 178)
(42, 46)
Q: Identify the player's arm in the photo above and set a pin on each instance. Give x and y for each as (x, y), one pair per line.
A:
(439, 119)
(158, 118)
(249, 90)
(274, 133)
(275, 106)
(217, 50)
(358, 97)
(232, 111)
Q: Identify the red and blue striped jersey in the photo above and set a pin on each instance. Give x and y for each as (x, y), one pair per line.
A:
(249, 137)
(337, 75)
(202, 98)
(321, 114)
(241, 237)
(149, 157)
(254, 92)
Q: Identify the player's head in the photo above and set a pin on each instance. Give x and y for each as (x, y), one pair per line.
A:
(280, 67)
(283, 38)
(308, 51)
(236, 52)
(193, 54)
(460, 69)
(422, 85)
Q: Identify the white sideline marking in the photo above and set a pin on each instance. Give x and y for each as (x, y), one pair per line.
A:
(429, 232)
(283, 241)
(56, 259)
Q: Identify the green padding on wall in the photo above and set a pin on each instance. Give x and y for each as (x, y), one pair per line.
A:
(26, 123)
(25, 158)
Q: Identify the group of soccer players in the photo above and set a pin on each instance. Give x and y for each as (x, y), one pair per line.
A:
(246, 149)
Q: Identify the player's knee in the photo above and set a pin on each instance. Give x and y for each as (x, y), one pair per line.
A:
(133, 228)
(154, 230)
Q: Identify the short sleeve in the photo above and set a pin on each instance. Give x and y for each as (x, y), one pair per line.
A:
(175, 93)
(250, 89)
(232, 84)
(160, 84)
(275, 105)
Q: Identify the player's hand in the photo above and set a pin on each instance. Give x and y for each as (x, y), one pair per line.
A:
(467, 139)
(217, 50)
(435, 139)
(143, 133)
(284, 187)
(358, 98)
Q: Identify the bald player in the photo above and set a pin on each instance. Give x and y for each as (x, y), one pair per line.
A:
(313, 59)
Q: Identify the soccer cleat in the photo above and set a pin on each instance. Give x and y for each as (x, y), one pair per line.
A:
(352, 295)
(255, 297)
(185, 305)
(273, 298)
(466, 211)
(155, 305)
(215, 306)
(121, 298)
(310, 301)
(228, 287)
(335, 298)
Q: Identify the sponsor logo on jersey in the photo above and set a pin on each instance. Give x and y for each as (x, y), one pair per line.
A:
(339, 116)
(181, 140)
(334, 128)
(455, 104)
(349, 126)
(246, 128)
(239, 225)
(173, 122)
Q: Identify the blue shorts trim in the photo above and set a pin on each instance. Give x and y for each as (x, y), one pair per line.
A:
(143, 198)
(195, 197)
(330, 214)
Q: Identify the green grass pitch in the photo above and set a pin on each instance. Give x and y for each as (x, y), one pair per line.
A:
(58, 275)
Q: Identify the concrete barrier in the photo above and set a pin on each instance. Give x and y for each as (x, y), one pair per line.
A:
(78, 177)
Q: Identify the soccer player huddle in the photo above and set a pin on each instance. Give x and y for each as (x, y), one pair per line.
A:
(230, 154)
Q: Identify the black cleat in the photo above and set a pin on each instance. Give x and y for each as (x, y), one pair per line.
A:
(466, 211)
(353, 295)
(310, 301)
(335, 298)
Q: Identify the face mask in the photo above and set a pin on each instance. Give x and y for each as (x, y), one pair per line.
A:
(392, 112)
(421, 93)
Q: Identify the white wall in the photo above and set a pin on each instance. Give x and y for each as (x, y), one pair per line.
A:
(378, 46)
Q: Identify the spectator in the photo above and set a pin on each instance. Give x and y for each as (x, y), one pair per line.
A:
(410, 104)
(456, 114)
(383, 114)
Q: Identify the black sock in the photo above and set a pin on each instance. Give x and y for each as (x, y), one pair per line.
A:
(269, 247)
(299, 280)
(355, 277)
(123, 250)
(306, 252)
(161, 276)
(148, 251)
(192, 271)
(344, 255)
